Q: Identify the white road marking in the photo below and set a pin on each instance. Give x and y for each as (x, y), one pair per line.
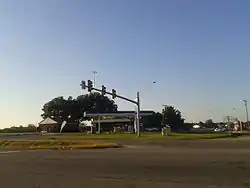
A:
(6, 152)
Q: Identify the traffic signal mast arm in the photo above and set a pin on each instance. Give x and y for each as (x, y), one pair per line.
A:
(118, 96)
(114, 95)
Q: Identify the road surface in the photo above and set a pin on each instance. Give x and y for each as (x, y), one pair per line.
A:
(174, 166)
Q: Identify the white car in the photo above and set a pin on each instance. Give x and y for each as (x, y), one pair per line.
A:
(44, 132)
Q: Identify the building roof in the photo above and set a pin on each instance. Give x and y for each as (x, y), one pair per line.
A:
(47, 121)
(124, 120)
(120, 113)
(89, 123)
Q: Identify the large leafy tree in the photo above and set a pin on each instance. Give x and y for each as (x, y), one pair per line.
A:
(153, 120)
(173, 118)
(71, 109)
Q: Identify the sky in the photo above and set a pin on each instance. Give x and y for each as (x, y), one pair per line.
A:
(197, 52)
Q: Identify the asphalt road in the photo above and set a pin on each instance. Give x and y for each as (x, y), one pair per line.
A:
(175, 165)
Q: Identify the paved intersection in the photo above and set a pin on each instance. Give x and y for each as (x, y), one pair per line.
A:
(174, 165)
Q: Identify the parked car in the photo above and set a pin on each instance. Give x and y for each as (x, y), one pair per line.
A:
(152, 129)
(44, 132)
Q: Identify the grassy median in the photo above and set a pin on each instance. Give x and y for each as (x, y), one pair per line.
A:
(144, 136)
(55, 144)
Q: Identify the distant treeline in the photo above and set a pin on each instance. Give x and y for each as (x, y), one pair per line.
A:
(20, 129)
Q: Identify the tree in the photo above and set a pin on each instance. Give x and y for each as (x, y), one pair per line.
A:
(201, 124)
(153, 120)
(210, 124)
(20, 129)
(31, 126)
(188, 126)
(173, 118)
(71, 110)
(95, 102)
(57, 109)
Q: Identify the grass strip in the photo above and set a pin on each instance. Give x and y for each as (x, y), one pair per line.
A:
(55, 144)
(144, 136)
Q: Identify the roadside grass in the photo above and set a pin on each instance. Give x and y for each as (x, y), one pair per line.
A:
(193, 136)
(69, 141)
(144, 136)
(55, 144)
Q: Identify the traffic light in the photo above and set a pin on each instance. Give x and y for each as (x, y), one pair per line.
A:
(113, 93)
(83, 85)
(103, 90)
(90, 85)
(163, 110)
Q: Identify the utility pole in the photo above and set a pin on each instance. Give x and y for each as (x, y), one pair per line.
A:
(163, 110)
(94, 73)
(236, 119)
(229, 125)
(245, 103)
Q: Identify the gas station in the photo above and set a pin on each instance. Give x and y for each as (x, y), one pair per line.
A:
(124, 119)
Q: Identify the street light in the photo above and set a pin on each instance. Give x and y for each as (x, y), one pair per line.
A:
(94, 74)
(163, 111)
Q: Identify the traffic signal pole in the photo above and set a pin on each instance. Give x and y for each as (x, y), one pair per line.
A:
(114, 95)
(138, 114)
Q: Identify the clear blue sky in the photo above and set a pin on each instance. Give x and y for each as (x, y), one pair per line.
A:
(196, 50)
